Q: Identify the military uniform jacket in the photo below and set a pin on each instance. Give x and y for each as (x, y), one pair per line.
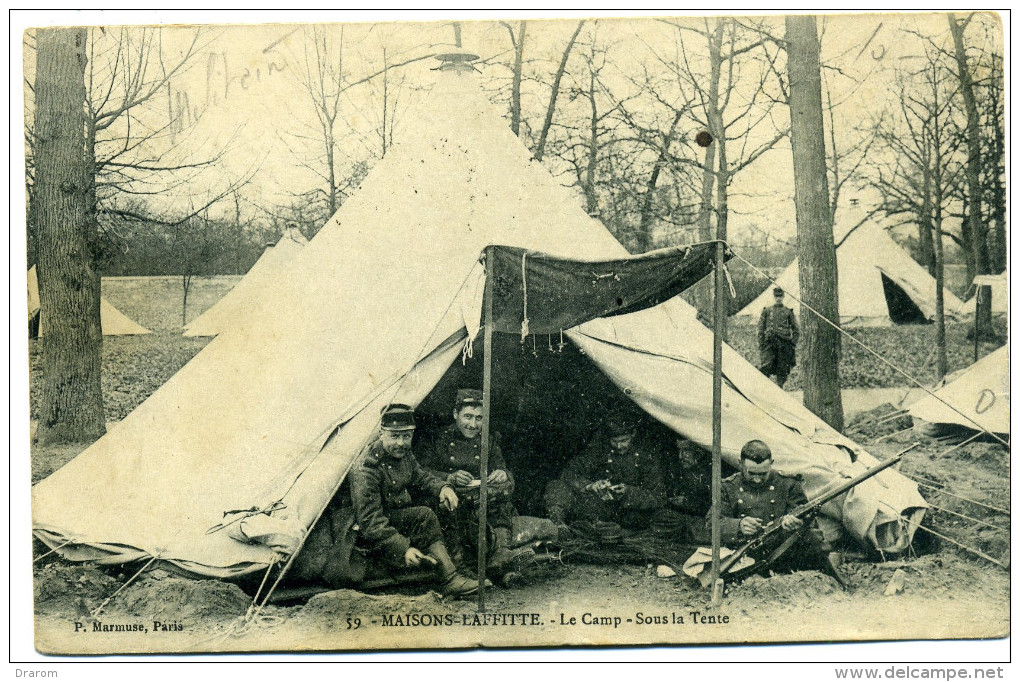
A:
(451, 452)
(694, 486)
(640, 469)
(381, 483)
(777, 322)
(770, 502)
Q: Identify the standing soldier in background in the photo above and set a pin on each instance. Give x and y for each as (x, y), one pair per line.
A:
(777, 339)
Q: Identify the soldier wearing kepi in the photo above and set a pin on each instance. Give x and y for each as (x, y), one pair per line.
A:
(616, 479)
(758, 496)
(389, 519)
(455, 457)
(777, 339)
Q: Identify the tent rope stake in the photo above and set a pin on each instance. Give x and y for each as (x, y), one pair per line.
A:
(968, 518)
(876, 354)
(975, 552)
(118, 591)
(921, 481)
(60, 546)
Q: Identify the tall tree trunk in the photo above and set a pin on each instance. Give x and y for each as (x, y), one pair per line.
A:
(722, 209)
(547, 124)
(925, 247)
(997, 163)
(707, 186)
(710, 177)
(816, 250)
(69, 284)
(978, 230)
(941, 360)
(648, 200)
(515, 94)
(591, 198)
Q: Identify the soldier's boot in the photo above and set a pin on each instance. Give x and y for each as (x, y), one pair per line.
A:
(833, 563)
(451, 583)
(502, 559)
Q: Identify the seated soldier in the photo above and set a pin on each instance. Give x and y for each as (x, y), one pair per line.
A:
(455, 457)
(389, 520)
(689, 489)
(758, 496)
(616, 479)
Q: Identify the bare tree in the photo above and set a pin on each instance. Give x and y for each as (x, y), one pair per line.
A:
(517, 40)
(69, 285)
(730, 98)
(916, 163)
(974, 225)
(322, 77)
(816, 250)
(555, 92)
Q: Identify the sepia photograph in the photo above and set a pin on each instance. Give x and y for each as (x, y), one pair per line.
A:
(519, 332)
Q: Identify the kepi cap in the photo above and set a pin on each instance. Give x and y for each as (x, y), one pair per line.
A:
(620, 425)
(397, 417)
(468, 396)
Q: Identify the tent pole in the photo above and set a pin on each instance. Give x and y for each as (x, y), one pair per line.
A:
(717, 420)
(483, 469)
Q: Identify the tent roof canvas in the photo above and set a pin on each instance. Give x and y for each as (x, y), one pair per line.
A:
(248, 294)
(977, 398)
(114, 322)
(277, 411)
(864, 256)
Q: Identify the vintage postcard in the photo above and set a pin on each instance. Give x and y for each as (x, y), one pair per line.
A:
(499, 332)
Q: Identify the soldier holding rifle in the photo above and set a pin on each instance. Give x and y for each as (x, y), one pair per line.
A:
(758, 496)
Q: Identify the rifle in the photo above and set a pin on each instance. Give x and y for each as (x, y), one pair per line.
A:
(806, 513)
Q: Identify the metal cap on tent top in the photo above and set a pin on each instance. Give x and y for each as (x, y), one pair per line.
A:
(456, 59)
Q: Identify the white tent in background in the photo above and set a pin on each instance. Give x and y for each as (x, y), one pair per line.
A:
(879, 283)
(978, 397)
(248, 295)
(275, 413)
(115, 323)
(1000, 293)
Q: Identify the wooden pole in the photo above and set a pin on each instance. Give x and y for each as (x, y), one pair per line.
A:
(483, 469)
(717, 334)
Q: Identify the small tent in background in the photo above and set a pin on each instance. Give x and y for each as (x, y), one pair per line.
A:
(115, 323)
(272, 416)
(879, 284)
(977, 397)
(249, 294)
(1000, 293)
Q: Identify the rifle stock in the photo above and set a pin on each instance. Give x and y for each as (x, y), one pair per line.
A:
(805, 512)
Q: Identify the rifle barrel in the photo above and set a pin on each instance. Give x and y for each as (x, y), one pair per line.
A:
(852, 483)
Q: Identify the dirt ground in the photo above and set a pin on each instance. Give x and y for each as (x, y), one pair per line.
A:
(947, 592)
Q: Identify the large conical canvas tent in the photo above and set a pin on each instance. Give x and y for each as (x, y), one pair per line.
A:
(247, 295)
(879, 284)
(272, 416)
(114, 322)
(978, 398)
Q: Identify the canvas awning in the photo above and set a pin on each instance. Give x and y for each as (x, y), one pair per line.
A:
(552, 293)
